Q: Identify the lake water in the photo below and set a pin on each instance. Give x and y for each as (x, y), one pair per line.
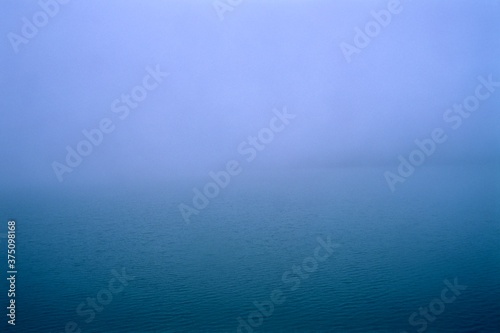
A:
(392, 254)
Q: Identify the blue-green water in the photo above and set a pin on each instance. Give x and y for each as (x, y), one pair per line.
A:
(393, 252)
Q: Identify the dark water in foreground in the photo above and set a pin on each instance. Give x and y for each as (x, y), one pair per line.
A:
(392, 254)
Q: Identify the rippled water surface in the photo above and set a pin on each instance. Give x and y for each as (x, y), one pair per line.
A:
(393, 252)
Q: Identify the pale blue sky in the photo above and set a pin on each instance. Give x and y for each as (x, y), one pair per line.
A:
(225, 77)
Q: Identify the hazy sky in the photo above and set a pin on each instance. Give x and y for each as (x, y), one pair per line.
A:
(226, 76)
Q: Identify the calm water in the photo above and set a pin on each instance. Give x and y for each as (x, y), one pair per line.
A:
(393, 252)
